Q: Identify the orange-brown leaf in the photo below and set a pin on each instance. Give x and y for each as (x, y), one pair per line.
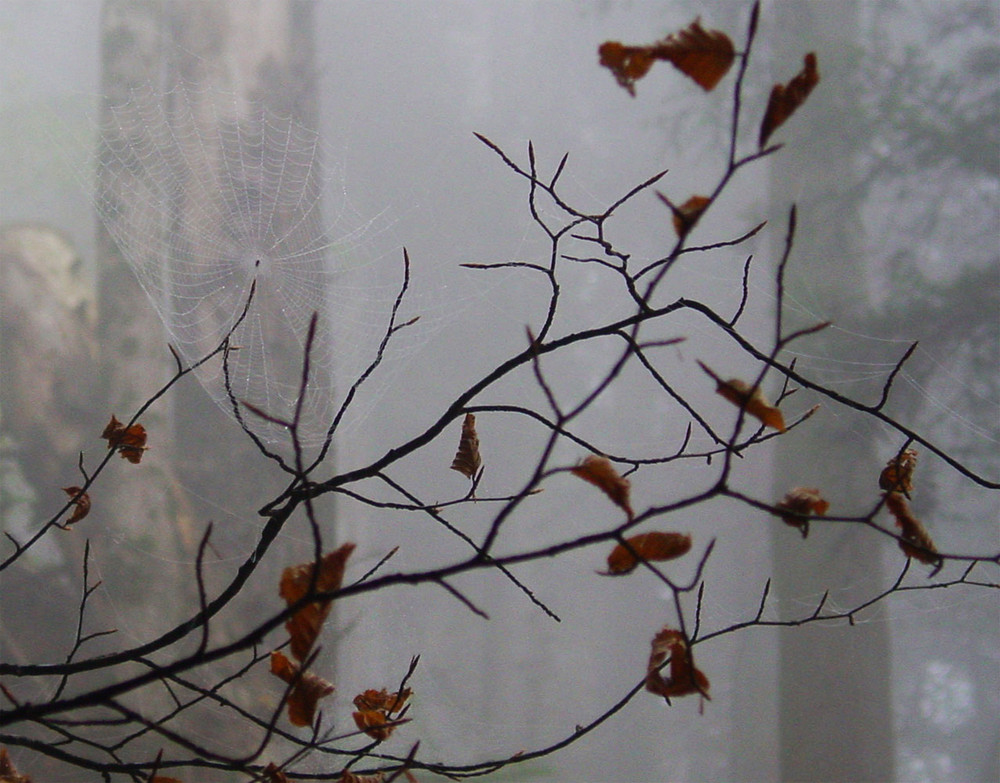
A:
(627, 63)
(8, 774)
(802, 500)
(687, 214)
(130, 441)
(467, 460)
(685, 678)
(376, 777)
(785, 99)
(307, 689)
(751, 398)
(382, 700)
(897, 475)
(349, 777)
(916, 540)
(703, 55)
(601, 473)
(81, 501)
(648, 546)
(304, 626)
(379, 710)
(273, 774)
(374, 723)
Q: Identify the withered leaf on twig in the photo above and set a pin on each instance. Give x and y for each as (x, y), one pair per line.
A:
(786, 98)
(467, 460)
(685, 677)
(273, 774)
(376, 777)
(897, 475)
(306, 692)
(81, 501)
(130, 441)
(751, 398)
(916, 541)
(601, 473)
(802, 500)
(686, 215)
(703, 55)
(8, 773)
(378, 711)
(648, 546)
(372, 699)
(304, 626)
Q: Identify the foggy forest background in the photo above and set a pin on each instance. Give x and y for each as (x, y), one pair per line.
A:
(895, 168)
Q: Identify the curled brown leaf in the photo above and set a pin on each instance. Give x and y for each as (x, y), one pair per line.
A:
(467, 460)
(379, 711)
(786, 98)
(916, 542)
(273, 774)
(601, 473)
(8, 773)
(307, 689)
(648, 546)
(802, 500)
(685, 678)
(687, 214)
(304, 626)
(81, 501)
(704, 56)
(897, 475)
(750, 398)
(130, 441)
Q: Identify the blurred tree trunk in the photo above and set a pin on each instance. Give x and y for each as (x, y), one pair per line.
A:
(133, 506)
(212, 70)
(834, 689)
(227, 62)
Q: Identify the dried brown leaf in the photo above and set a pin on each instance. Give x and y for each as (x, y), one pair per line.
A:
(376, 777)
(897, 475)
(375, 723)
(8, 774)
(785, 99)
(307, 689)
(81, 500)
(273, 774)
(648, 546)
(703, 55)
(627, 63)
(378, 711)
(802, 500)
(685, 678)
(686, 215)
(349, 777)
(467, 460)
(751, 398)
(382, 700)
(304, 626)
(916, 542)
(601, 473)
(130, 441)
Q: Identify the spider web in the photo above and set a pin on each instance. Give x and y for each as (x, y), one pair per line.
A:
(209, 199)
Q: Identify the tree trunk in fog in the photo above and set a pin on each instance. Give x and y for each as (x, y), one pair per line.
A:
(135, 506)
(200, 464)
(834, 694)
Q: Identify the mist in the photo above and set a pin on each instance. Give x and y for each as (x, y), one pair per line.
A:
(898, 217)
